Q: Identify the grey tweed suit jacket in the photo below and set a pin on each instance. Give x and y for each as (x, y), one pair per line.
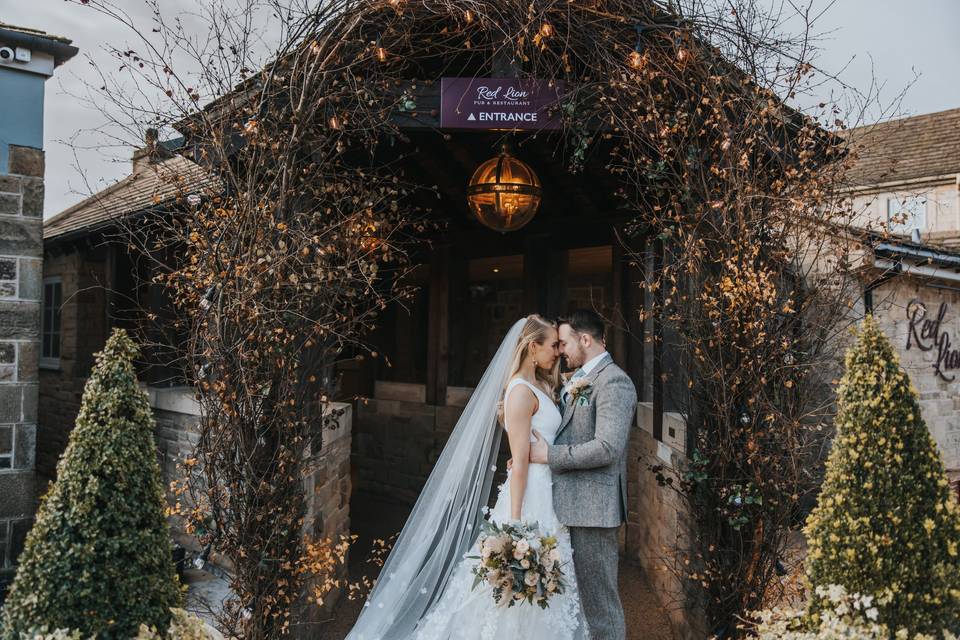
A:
(589, 454)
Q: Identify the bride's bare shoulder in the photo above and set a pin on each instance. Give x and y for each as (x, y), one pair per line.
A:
(522, 399)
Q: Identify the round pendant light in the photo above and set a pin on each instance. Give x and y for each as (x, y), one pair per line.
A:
(504, 193)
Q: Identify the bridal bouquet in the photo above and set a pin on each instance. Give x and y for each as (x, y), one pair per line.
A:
(519, 563)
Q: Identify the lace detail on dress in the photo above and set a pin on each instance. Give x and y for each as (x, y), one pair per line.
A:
(464, 613)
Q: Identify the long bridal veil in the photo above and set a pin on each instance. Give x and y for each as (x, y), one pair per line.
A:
(445, 520)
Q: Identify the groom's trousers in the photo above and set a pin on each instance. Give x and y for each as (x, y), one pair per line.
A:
(596, 557)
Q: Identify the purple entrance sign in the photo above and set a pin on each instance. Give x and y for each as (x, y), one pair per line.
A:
(498, 103)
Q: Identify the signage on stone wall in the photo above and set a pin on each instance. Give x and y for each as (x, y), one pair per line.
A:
(929, 334)
(499, 103)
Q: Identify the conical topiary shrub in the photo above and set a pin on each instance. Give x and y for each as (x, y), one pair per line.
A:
(98, 559)
(886, 523)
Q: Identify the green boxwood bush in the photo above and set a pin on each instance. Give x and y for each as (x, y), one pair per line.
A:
(886, 524)
(98, 559)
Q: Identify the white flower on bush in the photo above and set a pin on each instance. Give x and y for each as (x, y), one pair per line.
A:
(850, 617)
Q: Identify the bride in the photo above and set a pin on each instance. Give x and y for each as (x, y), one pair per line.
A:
(425, 589)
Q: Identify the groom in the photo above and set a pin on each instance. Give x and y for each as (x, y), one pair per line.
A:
(589, 464)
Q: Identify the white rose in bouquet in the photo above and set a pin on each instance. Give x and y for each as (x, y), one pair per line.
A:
(520, 548)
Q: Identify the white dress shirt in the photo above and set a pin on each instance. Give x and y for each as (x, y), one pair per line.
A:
(594, 361)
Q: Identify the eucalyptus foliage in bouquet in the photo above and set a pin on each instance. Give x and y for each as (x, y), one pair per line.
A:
(519, 563)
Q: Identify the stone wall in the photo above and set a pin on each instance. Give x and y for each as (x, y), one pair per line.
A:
(658, 523)
(177, 414)
(21, 253)
(328, 489)
(327, 485)
(936, 379)
(397, 439)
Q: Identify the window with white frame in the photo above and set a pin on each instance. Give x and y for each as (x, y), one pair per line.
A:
(906, 213)
(50, 329)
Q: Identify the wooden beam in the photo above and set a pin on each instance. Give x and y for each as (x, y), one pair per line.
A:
(438, 337)
(479, 242)
(558, 261)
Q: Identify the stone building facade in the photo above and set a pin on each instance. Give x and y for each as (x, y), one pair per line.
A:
(32, 57)
(907, 177)
(905, 188)
(917, 305)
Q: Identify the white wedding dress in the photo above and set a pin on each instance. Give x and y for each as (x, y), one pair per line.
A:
(425, 588)
(464, 613)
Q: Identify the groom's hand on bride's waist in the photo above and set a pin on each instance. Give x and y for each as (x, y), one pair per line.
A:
(538, 449)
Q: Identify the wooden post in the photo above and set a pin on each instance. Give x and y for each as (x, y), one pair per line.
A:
(535, 273)
(558, 261)
(438, 323)
(657, 326)
(635, 304)
(619, 319)
(459, 294)
(110, 286)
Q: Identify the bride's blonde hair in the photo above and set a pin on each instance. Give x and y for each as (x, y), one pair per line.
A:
(535, 330)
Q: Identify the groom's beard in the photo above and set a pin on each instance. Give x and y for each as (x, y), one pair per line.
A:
(573, 363)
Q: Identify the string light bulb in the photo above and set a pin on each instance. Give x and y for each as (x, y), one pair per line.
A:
(334, 122)
(468, 16)
(381, 51)
(546, 30)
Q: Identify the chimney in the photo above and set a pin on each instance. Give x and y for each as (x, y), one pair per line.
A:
(148, 154)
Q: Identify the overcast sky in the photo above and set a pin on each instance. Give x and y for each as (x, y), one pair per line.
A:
(894, 40)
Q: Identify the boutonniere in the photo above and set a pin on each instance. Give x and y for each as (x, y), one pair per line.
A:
(579, 391)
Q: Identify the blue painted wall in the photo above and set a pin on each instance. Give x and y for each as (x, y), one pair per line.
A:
(21, 111)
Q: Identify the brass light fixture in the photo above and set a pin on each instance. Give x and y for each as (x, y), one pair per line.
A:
(504, 193)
